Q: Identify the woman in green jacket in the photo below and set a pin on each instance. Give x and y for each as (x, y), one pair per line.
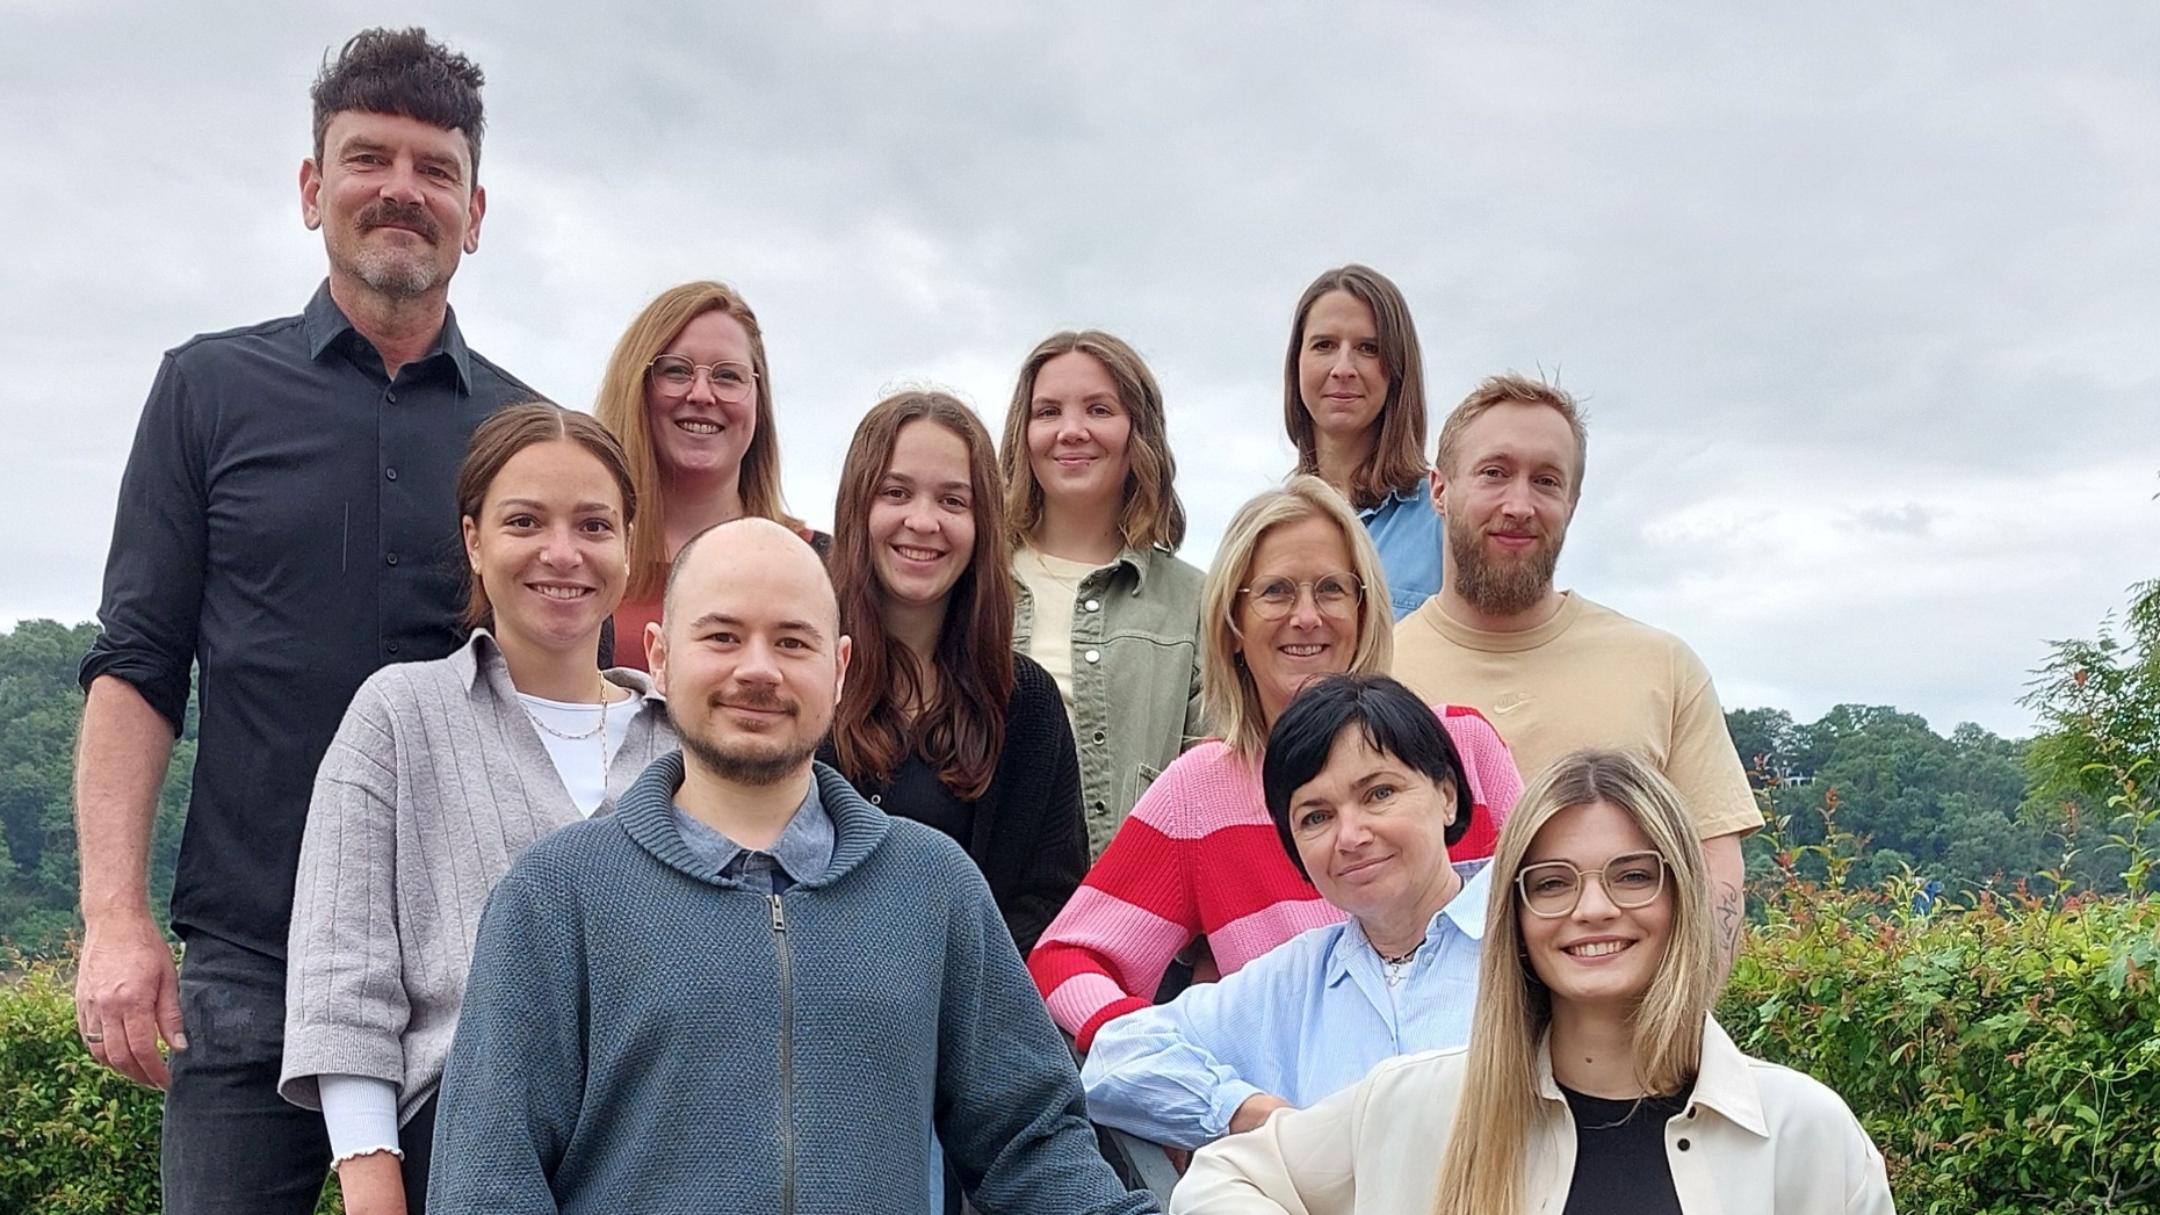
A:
(1104, 604)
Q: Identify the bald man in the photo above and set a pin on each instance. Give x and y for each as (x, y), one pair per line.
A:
(748, 989)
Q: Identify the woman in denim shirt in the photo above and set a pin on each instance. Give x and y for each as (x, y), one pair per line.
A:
(1354, 404)
(1103, 604)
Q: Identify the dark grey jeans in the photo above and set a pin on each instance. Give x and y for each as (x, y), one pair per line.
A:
(231, 1144)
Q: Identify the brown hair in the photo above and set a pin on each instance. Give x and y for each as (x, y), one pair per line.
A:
(1514, 389)
(505, 433)
(1153, 516)
(1398, 457)
(960, 725)
(402, 72)
(621, 408)
(1228, 696)
(1481, 1172)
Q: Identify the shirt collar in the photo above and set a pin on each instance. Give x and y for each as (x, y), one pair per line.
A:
(1724, 1081)
(325, 324)
(803, 851)
(479, 661)
(1465, 913)
(1415, 493)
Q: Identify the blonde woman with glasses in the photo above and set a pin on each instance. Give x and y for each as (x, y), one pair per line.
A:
(1295, 594)
(689, 396)
(1595, 1079)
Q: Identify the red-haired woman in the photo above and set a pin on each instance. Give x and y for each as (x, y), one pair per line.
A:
(940, 721)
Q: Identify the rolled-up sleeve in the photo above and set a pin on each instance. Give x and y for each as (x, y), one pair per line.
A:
(1176, 1073)
(154, 569)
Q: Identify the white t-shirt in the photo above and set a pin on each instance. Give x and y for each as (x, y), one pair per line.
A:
(1055, 584)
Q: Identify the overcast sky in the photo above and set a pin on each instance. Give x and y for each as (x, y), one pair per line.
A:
(1866, 310)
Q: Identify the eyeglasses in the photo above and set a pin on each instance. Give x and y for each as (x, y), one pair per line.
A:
(675, 376)
(1335, 595)
(1552, 889)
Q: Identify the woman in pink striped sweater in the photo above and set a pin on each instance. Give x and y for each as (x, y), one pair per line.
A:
(1295, 593)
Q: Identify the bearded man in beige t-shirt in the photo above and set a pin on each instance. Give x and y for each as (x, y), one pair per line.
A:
(1554, 671)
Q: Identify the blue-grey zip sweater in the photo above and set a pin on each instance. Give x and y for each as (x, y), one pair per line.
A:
(641, 1035)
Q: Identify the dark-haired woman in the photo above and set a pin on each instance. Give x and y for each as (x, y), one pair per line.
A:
(941, 721)
(441, 774)
(1354, 405)
(1367, 793)
(1105, 605)
(689, 395)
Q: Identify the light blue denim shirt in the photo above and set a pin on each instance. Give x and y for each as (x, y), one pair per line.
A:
(1409, 535)
(1302, 1021)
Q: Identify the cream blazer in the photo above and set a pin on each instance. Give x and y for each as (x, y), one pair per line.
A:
(1757, 1139)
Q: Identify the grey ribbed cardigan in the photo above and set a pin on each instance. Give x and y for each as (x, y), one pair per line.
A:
(436, 781)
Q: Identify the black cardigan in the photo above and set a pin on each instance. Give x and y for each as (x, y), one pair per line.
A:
(1030, 839)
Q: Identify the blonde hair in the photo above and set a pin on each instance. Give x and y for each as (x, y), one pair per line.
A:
(1513, 389)
(1482, 1171)
(1228, 696)
(1397, 462)
(621, 408)
(1152, 515)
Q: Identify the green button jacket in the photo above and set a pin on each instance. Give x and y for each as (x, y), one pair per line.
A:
(1136, 678)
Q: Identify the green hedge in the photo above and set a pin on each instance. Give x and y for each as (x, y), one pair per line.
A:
(2005, 1053)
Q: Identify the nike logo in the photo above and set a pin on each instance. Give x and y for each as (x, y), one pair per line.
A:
(1510, 702)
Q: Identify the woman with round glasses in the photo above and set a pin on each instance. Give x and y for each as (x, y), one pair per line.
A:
(1104, 604)
(1595, 1078)
(688, 394)
(941, 722)
(442, 773)
(1295, 594)
(1354, 406)
(1368, 796)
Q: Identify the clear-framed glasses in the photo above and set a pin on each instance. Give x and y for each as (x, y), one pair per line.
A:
(1335, 595)
(674, 376)
(1551, 889)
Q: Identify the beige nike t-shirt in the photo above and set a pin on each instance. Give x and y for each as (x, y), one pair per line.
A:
(1589, 677)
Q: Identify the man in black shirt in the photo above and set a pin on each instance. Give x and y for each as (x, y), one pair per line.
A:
(287, 525)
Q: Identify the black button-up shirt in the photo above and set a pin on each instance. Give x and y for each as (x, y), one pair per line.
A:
(288, 522)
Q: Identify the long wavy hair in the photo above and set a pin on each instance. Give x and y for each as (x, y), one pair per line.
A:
(621, 407)
(1482, 1171)
(959, 725)
(1228, 696)
(1152, 516)
(1397, 462)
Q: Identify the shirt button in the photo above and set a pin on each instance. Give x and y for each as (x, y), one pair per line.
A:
(1683, 1145)
(390, 559)
(1092, 605)
(389, 474)
(390, 397)
(1098, 736)
(1691, 1111)
(1094, 655)
(392, 647)
(877, 799)
(1099, 807)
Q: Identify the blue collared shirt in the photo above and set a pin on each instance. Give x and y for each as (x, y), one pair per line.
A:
(1302, 1021)
(802, 852)
(1408, 535)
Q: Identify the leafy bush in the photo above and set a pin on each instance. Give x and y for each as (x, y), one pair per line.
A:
(75, 1139)
(2002, 1048)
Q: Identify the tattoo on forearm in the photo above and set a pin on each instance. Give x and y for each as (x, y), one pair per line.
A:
(1730, 907)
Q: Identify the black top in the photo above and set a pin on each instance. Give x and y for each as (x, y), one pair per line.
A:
(287, 520)
(1620, 1162)
(1026, 832)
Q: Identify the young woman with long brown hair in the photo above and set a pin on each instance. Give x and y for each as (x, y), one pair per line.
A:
(1595, 1079)
(941, 721)
(1354, 406)
(1105, 605)
(689, 395)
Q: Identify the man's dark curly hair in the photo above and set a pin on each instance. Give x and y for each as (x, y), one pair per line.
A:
(386, 71)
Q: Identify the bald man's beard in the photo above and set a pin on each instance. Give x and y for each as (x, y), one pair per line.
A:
(750, 759)
(1500, 585)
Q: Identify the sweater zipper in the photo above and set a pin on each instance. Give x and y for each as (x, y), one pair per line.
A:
(787, 1058)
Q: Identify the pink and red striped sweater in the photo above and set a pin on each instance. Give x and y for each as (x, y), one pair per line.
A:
(1199, 856)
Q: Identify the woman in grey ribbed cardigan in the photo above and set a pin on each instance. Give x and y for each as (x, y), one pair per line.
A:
(442, 773)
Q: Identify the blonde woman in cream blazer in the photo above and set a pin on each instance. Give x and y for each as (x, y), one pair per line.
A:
(1595, 1079)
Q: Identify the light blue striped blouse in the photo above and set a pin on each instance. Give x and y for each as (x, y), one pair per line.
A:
(1303, 1020)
